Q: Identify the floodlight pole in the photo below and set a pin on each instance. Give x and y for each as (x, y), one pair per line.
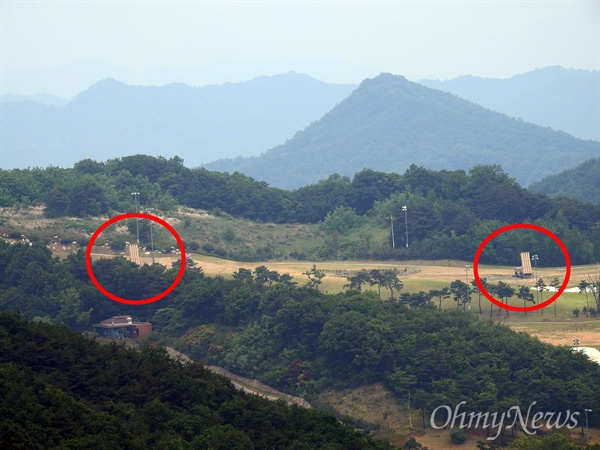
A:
(586, 419)
(151, 236)
(406, 223)
(535, 258)
(137, 220)
(467, 267)
(393, 238)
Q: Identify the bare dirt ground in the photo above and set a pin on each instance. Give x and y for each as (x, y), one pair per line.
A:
(411, 272)
(563, 336)
(439, 270)
(446, 270)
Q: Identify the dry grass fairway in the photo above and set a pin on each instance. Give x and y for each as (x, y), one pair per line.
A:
(416, 275)
(425, 275)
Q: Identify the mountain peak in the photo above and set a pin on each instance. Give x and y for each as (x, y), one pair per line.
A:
(108, 87)
(384, 78)
(389, 123)
(108, 83)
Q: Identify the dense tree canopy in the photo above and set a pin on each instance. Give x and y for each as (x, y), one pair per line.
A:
(448, 212)
(62, 390)
(262, 325)
(580, 182)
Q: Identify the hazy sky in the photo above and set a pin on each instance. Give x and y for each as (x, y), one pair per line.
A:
(63, 47)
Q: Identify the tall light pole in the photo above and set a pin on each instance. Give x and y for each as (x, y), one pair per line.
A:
(535, 258)
(137, 220)
(586, 419)
(151, 236)
(586, 422)
(406, 223)
(467, 267)
(393, 238)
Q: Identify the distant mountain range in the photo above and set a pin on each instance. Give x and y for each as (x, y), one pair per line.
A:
(389, 123)
(386, 124)
(200, 124)
(555, 97)
(45, 99)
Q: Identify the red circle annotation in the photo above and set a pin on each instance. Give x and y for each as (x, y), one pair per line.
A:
(531, 227)
(145, 301)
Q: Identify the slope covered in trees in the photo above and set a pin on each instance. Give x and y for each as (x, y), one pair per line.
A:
(581, 182)
(260, 324)
(309, 343)
(62, 390)
(449, 212)
(389, 123)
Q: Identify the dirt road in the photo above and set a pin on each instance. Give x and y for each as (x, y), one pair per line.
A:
(245, 384)
(134, 253)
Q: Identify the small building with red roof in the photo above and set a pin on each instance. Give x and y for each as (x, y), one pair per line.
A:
(122, 327)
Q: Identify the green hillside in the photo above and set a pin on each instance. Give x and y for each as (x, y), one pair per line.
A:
(66, 390)
(389, 123)
(449, 212)
(62, 390)
(581, 182)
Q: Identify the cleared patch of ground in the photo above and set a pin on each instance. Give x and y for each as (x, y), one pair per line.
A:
(564, 335)
(375, 408)
(371, 407)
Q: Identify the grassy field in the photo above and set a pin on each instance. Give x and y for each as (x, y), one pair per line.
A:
(219, 235)
(555, 323)
(277, 247)
(211, 235)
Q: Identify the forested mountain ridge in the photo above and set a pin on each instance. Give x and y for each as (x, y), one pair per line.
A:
(258, 324)
(556, 97)
(389, 123)
(581, 182)
(296, 338)
(201, 124)
(450, 212)
(62, 390)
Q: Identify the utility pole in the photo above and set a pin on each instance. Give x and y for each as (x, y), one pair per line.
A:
(151, 236)
(393, 238)
(409, 417)
(586, 421)
(467, 267)
(535, 258)
(406, 223)
(137, 220)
